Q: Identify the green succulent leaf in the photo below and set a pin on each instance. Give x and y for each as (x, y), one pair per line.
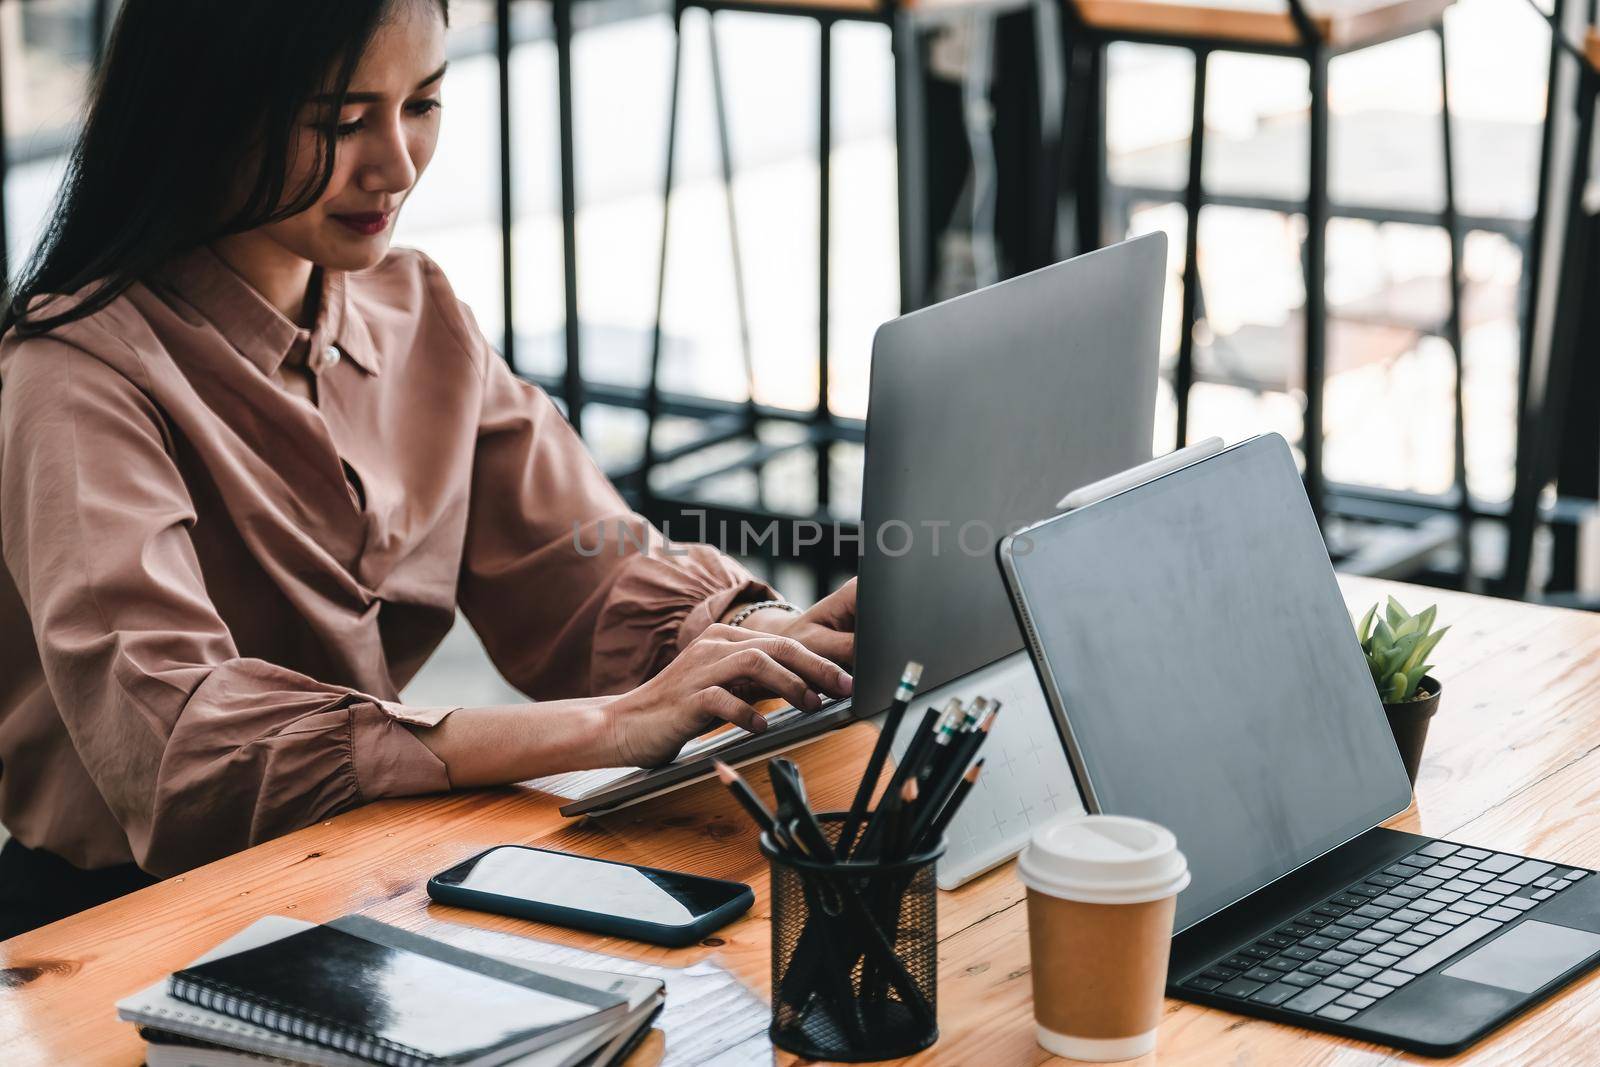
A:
(1429, 613)
(1395, 614)
(1394, 690)
(1382, 637)
(1414, 677)
(1395, 657)
(1424, 647)
(1365, 625)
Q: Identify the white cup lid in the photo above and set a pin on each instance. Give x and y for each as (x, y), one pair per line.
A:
(1104, 859)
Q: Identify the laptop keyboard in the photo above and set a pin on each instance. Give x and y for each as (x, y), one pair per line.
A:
(1358, 946)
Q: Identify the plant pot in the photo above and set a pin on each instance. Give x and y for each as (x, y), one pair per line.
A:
(1409, 724)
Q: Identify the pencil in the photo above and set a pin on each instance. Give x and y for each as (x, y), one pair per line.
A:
(916, 754)
(795, 814)
(749, 801)
(950, 775)
(902, 819)
(910, 678)
(952, 739)
(910, 761)
(930, 837)
(971, 742)
(950, 723)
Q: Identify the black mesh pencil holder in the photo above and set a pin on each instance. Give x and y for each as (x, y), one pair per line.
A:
(854, 954)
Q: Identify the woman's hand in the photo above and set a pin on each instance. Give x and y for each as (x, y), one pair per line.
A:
(828, 628)
(716, 678)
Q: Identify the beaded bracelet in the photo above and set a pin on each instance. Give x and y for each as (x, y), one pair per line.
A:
(750, 609)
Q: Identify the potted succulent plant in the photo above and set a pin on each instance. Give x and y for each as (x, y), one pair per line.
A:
(1397, 645)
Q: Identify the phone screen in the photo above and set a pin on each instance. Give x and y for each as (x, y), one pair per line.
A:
(583, 884)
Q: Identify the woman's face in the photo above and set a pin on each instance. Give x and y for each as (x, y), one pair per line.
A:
(386, 135)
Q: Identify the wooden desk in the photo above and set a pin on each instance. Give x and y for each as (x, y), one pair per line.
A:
(1511, 764)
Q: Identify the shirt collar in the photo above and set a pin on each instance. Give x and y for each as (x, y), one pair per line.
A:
(259, 331)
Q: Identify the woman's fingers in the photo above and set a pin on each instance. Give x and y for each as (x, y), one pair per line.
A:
(837, 610)
(754, 668)
(829, 644)
(729, 708)
(817, 671)
(722, 632)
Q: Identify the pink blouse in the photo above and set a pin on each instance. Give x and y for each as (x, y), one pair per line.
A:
(215, 589)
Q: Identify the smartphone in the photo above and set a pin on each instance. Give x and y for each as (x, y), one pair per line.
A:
(641, 903)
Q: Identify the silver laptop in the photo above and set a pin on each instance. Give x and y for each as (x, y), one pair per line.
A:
(984, 412)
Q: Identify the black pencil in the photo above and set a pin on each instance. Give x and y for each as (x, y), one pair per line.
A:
(795, 814)
(910, 678)
(930, 836)
(749, 801)
(970, 742)
(950, 742)
(914, 760)
(911, 763)
(902, 819)
(950, 775)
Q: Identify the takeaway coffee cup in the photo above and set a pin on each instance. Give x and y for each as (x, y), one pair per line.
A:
(1101, 894)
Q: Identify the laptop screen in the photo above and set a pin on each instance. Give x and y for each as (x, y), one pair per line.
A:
(985, 411)
(1210, 675)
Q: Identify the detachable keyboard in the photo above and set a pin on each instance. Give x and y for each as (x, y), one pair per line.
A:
(1360, 945)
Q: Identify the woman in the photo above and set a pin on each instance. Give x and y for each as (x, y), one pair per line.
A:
(252, 461)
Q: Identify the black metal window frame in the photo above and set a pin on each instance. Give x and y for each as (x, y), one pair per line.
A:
(1348, 501)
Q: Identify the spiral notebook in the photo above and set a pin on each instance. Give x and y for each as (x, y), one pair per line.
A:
(391, 997)
(182, 1035)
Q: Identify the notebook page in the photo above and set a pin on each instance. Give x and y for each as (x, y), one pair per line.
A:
(709, 1012)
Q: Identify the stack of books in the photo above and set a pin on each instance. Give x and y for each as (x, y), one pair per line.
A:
(356, 992)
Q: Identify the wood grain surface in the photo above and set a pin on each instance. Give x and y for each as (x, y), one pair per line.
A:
(1510, 765)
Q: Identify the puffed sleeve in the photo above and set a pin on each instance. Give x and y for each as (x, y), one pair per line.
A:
(198, 751)
(572, 593)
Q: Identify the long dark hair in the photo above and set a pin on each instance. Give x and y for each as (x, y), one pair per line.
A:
(188, 138)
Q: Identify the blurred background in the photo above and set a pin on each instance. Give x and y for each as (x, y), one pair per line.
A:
(971, 141)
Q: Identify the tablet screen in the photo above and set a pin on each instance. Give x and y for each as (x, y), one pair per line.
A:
(1209, 672)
